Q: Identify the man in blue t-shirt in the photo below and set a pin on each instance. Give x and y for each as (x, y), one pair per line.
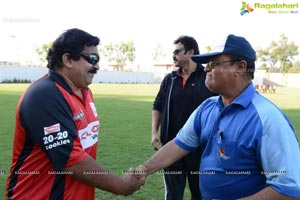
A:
(250, 149)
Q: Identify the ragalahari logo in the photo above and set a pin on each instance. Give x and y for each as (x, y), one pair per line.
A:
(245, 8)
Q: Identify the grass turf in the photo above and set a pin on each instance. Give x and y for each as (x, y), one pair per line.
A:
(124, 140)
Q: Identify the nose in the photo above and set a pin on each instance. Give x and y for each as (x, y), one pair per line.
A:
(207, 68)
(96, 66)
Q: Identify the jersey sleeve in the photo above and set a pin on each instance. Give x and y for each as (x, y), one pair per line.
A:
(48, 121)
(188, 137)
(280, 155)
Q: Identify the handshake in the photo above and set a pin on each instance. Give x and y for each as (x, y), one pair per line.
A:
(134, 179)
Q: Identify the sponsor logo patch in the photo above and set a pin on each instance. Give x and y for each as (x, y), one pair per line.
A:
(52, 129)
(78, 116)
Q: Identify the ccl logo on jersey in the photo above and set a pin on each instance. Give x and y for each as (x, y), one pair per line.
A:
(85, 135)
(94, 130)
(89, 135)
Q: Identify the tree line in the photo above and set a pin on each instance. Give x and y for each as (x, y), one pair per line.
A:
(278, 56)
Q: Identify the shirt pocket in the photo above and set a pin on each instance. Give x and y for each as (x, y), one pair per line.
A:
(227, 154)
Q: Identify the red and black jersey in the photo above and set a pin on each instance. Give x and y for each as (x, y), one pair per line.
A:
(54, 129)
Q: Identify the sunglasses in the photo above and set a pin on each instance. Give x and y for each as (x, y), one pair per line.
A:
(177, 51)
(91, 58)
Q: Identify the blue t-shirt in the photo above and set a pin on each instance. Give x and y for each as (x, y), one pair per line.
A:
(248, 145)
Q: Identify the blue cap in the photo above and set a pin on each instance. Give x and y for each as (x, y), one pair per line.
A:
(231, 44)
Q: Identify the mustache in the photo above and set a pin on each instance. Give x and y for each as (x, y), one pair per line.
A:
(93, 70)
(174, 59)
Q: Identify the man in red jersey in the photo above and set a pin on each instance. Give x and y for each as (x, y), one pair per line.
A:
(56, 132)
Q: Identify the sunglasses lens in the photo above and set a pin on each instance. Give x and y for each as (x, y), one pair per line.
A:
(93, 59)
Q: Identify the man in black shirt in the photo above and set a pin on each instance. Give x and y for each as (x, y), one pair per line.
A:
(181, 92)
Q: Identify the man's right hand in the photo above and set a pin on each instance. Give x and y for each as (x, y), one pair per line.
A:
(155, 141)
(133, 182)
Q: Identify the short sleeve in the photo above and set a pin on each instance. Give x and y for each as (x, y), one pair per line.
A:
(48, 121)
(280, 155)
(188, 138)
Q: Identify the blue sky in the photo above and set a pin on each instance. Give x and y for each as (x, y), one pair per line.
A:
(26, 24)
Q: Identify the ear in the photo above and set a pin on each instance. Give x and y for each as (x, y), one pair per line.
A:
(190, 52)
(67, 61)
(241, 68)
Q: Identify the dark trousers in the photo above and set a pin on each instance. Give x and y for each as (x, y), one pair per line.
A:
(175, 177)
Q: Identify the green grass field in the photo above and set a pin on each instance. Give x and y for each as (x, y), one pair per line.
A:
(124, 141)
